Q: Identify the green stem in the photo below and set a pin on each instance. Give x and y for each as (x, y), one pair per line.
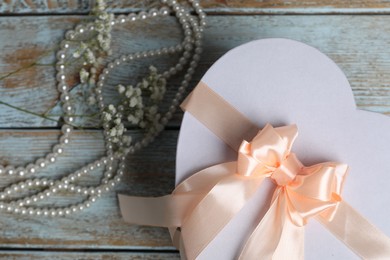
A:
(90, 115)
(36, 114)
(17, 70)
(27, 111)
(35, 63)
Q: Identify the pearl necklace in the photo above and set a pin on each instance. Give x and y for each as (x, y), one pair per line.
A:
(113, 162)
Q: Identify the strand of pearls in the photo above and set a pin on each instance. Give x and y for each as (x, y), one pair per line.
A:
(57, 150)
(191, 47)
(114, 162)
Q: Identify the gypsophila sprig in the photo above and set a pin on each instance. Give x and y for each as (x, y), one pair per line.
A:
(138, 105)
(113, 118)
(89, 51)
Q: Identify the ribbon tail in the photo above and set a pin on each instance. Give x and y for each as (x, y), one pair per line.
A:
(276, 237)
(357, 233)
(170, 210)
(166, 211)
(215, 210)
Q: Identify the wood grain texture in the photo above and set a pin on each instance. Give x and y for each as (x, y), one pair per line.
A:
(63, 255)
(148, 173)
(356, 43)
(211, 6)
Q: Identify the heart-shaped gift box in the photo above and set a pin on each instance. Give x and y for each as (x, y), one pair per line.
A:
(222, 206)
(282, 82)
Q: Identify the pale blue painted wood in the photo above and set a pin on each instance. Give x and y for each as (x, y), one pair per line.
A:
(32, 255)
(357, 43)
(362, 56)
(148, 173)
(211, 6)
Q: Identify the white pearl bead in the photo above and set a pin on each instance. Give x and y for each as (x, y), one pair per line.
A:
(65, 97)
(64, 140)
(58, 149)
(70, 35)
(153, 12)
(132, 17)
(64, 44)
(21, 171)
(41, 163)
(69, 119)
(60, 77)
(10, 170)
(62, 87)
(122, 18)
(66, 129)
(142, 15)
(61, 55)
(51, 158)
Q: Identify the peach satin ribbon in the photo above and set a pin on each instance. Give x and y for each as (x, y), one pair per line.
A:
(204, 203)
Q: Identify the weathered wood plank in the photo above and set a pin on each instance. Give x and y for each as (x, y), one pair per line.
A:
(211, 6)
(353, 42)
(149, 172)
(36, 40)
(49, 255)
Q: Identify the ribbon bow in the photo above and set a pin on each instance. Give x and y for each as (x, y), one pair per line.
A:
(202, 205)
(301, 193)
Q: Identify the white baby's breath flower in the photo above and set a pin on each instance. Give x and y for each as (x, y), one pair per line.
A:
(99, 25)
(129, 91)
(153, 110)
(84, 75)
(100, 5)
(139, 113)
(133, 102)
(89, 56)
(107, 116)
(132, 119)
(121, 89)
(127, 139)
(140, 105)
(152, 69)
(105, 45)
(117, 121)
(103, 16)
(120, 129)
(145, 83)
(113, 132)
(111, 108)
(157, 94)
(91, 100)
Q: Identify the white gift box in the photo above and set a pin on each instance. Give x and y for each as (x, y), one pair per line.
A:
(282, 82)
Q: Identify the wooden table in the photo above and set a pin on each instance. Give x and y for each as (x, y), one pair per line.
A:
(355, 34)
